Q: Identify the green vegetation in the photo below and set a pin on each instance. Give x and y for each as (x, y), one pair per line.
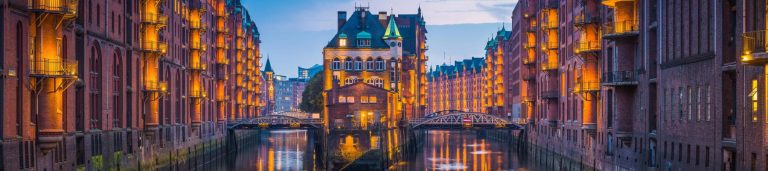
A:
(312, 97)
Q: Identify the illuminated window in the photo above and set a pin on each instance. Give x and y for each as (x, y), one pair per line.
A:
(754, 99)
(343, 42)
(351, 99)
(363, 99)
(342, 99)
(372, 99)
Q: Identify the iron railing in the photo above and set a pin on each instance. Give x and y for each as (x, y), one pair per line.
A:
(754, 42)
(198, 94)
(153, 86)
(67, 7)
(620, 27)
(586, 87)
(616, 77)
(549, 25)
(53, 68)
(152, 18)
(549, 66)
(553, 94)
(584, 19)
(154, 46)
(587, 46)
(198, 46)
(201, 25)
(198, 66)
(550, 46)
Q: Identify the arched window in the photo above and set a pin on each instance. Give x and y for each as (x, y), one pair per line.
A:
(336, 64)
(369, 64)
(358, 64)
(117, 72)
(348, 64)
(95, 86)
(379, 64)
(351, 80)
(378, 82)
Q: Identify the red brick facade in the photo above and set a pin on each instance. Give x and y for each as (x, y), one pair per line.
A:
(123, 57)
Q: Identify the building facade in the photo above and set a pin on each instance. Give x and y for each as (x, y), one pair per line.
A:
(457, 87)
(638, 85)
(308, 73)
(98, 85)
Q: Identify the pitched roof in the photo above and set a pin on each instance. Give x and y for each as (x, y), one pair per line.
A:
(361, 20)
(392, 32)
(268, 67)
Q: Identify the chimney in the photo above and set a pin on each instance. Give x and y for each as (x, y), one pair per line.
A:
(383, 18)
(342, 18)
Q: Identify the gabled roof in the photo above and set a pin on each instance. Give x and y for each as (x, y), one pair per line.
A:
(268, 67)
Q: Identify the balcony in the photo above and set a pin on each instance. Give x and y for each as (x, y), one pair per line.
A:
(68, 8)
(529, 45)
(620, 78)
(527, 99)
(754, 52)
(53, 68)
(584, 19)
(586, 87)
(550, 46)
(198, 94)
(156, 19)
(222, 61)
(550, 95)
(620, 29)
(198, 25)
(587, 47)
(154, 47)
(152, 86)
(223, 30)
(549, 25)
(222, 98)
(549, 66)
(529, 60)
(198, 46)
(198, 66)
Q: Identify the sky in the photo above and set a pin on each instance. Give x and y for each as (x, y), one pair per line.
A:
(294, 32)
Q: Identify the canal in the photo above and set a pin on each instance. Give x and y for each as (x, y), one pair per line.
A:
(440, 150)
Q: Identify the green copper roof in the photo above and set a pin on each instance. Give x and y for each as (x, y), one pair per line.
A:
(392, 31)
(342, 35)
(364, 35)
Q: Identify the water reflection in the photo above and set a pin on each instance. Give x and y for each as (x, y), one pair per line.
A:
(274, 150)
(463, 150)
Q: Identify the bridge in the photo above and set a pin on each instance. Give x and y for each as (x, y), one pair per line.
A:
(282, 120)
(463, 120)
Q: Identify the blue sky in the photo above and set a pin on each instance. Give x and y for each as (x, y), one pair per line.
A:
(294, 32)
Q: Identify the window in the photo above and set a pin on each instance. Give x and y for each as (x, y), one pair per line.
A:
(116, 91)
(377, 82)
(348, 64)
(364, 42)
(754, 99)
(379, 64)
(358, 64)
(363, 99)
(336, 64)
(708, 106)
(690, 103)
(351, 80)
(372, 99)
(342, 99)
(369, 64)
(343, 42)
(351, 99)
(698, 103)
(680, 103)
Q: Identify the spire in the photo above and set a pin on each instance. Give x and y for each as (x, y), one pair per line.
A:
(392, 32)
(268, 66)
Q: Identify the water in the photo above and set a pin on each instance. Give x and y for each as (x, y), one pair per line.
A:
(441, 150)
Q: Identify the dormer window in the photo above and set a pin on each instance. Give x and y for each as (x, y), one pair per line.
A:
(363, 39)
(364, 42)
(342, 40)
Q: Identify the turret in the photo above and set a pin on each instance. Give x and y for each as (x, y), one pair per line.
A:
(393, 38)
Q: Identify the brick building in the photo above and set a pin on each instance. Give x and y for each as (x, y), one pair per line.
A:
(457, 87)
(118, 83)
(637, 85)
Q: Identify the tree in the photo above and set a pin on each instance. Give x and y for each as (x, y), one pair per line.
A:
(312, 97)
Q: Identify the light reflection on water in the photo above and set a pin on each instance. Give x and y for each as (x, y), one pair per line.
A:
(462, 150)
(275, 150)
